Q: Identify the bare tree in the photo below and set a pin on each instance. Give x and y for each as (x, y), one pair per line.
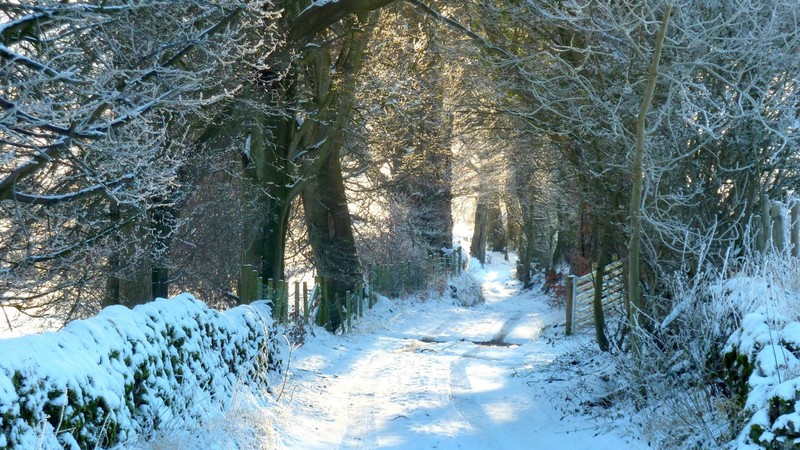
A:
(99, 107)
(722, 118)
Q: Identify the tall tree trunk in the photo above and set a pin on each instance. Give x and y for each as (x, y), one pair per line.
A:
(438, 197)
(604, 242)
(477, 247)
(496, 230)
(330, 231)
(136, 287)
(130, 279)
(325, 204)
(634, 303)
(271, 150)
(163, 222)
(526, 251)
(136, 277)
(512, 226)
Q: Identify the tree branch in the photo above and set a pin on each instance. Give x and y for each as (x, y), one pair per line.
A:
(7, 183)
(50, 200)
(458, 26)
(320, 16)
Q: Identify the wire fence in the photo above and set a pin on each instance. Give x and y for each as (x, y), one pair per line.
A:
(294, 302)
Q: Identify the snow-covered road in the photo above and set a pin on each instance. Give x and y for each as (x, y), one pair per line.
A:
(430, 374)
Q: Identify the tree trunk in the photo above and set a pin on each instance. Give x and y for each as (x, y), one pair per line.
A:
(273, 140)
(599, 279)
(130, 279)
(512, 227)
(479, 235)
(136, 287)
(497, 234)
(111, 296)
(163, 221)
(438, 199)
(634, 303)
(526, 250)
(330, 231)
(328, 221)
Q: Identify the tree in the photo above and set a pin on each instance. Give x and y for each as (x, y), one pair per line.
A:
(406, 137)
(720, 117)
(87, 95)
(332, 73)
(634, 298)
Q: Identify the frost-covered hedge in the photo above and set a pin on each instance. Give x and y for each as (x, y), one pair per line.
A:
(104, 380)
(763, 370)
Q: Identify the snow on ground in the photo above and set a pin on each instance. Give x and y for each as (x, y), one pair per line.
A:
(419, 374)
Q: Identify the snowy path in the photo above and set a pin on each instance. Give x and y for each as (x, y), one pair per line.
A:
(430, 374)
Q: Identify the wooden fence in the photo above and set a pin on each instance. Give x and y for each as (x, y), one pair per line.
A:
(580, 294)
(303, 302)
(770, 228)
(296, 301)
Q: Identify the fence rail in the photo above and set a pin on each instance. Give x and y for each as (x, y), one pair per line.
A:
(305, 302)
(580, 295)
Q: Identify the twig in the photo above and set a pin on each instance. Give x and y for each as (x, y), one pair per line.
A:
(286, 370)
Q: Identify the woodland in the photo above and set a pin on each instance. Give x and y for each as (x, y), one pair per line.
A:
(149, 148)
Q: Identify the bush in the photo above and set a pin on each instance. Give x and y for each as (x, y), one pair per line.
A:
(723, 365)
(465, 290)
(676, 381)
(104, 380)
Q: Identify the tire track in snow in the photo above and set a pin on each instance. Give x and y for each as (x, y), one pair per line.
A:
(386, 406)
(464, 393)
(375, 415)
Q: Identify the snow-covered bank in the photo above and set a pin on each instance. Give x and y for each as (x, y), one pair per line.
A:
(433, 374)
(762, 358)
(105, 380)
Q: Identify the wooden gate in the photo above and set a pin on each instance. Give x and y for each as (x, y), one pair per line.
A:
(580, 292)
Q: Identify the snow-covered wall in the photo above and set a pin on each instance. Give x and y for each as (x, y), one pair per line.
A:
(762, 365)
(104, 380)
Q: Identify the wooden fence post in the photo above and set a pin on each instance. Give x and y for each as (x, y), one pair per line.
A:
(795, 215)
(348, 300)
(322, 312)
(276, 308)
(242, 285)
(321, 301)
(778, 228)
(361, 300)
(758, 233)
(297, 300)
(306, 303)
(245, 288)
(259, 288)
(570, 303)
(285, 300)
(339, 309)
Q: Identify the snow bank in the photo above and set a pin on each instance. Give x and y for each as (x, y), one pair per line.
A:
(762, 367)
(104, 380)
